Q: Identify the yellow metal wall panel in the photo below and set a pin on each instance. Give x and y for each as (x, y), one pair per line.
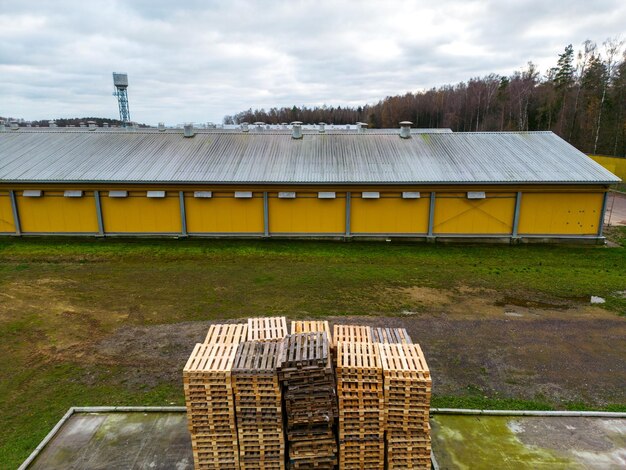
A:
(6, 214)
(223, 213)
(140, 214)
(54, 213)
(389, 214)
(560, 213)
(307, 214)
(455, 214)
(615, 165)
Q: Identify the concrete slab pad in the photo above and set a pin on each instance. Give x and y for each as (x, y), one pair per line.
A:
(149, 441)
(160, 440)
(528, 442)
(615, 213)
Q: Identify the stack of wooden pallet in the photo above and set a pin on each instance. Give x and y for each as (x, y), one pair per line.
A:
(407, 401)
(210, 406)
(351, 334)
(267, 328)
(227, 333)
(258, 406)
(361, 401)
(306, 374)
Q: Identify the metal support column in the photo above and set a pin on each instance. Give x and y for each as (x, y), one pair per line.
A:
(266, 215)
(601, 223)
(183, 214)
(96, 196)
(431, 215)
(518, 203)
(348, 212)
(16, 215)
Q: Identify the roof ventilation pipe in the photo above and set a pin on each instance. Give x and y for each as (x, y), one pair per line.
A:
(161, 127)
(244, 127)
(14, 125)
(105, 124)
(259, 126)
(296, 130)
(2, 126)
(405, 129)
(92, 125)
(322, 127)
(52, 124)
(82, 124)
(360, 127)
(189, 132)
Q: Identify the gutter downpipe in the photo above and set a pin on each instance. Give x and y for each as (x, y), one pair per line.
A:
(518, 203)
(266, 215)
(16, 214)
(96, 196)
(601, 223)
(183, 214)
(431, 217)
(348, 213)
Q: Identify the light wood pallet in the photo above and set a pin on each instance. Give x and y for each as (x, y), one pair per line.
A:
(361, 400)
(407, 404)
(258, 404)
(227, 333)
(306, 374)
(311, 326)
(391, 335)
(351, 334)
(267, 328)
(359, 455)
(210, 406)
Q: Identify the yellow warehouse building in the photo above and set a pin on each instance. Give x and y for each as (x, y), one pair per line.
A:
(295, 182)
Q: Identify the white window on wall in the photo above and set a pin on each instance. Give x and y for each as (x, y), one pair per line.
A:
(411, 195)
(370, 195)
(476, 195)
(287, 195)
(326, 195)
(118, 193)
(32, 193)
(73, 193)
(203, 194)
(243, 194)
(156, 194)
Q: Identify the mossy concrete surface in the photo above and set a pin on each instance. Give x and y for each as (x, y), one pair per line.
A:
(160, 440)
(155, 440)
(528, 442)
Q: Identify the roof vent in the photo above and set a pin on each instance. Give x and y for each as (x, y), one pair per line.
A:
(360, 127)
(2, 126)
(244, 127)
(259, 126)
(405, 129)
(52, 124)
(92, 125)
(161, 127)
(189, 132)
(105, 124)
(14, 125)
(296, 130)
(82, 124)
(322, 127)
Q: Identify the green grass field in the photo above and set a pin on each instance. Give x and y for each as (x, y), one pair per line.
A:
(60, 297)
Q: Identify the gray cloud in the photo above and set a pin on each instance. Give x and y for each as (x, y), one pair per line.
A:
(201, 60)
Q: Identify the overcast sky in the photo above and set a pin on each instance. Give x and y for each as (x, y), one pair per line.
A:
(199, 60)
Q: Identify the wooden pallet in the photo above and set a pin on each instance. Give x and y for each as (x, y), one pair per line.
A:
(258, 405)
(391, 335)
(351, 334)
(311, 326)
(267, 328)
(306, 374)
(407, 404)
(227, 333)
(210, 406)
(361, 399)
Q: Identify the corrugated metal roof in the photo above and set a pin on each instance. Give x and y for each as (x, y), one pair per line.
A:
(217, 156)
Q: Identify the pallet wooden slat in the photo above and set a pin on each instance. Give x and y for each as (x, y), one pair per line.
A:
(227, 333)
(267, 328)
(391, 335)
(311, 326)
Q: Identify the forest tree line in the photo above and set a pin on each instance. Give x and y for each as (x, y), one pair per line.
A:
(582, 99)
